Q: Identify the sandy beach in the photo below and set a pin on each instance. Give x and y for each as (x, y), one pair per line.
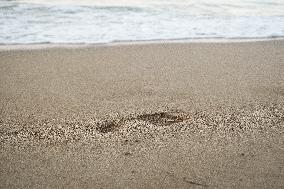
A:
(153, 115)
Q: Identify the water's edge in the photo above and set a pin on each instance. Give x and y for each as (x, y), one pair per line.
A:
(27, 46)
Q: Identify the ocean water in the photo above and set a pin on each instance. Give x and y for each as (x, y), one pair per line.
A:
(103, 21)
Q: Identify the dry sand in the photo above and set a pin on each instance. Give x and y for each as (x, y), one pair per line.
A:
(161, 115)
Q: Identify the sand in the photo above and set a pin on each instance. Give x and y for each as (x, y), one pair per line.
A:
(153, 115)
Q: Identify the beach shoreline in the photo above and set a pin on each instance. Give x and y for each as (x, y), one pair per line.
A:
(142, 115)
(16, 46)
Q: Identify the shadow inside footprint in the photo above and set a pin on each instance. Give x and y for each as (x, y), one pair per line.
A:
(161, 118)
(107, 126)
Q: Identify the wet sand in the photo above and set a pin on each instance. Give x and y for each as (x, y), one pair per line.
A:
(159, 115)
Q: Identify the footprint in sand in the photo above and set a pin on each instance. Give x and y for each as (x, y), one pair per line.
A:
(158, 119)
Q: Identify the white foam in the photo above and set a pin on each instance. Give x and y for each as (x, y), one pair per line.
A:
(96, 21)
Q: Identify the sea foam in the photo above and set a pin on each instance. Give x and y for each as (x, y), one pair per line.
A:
(95, 21)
